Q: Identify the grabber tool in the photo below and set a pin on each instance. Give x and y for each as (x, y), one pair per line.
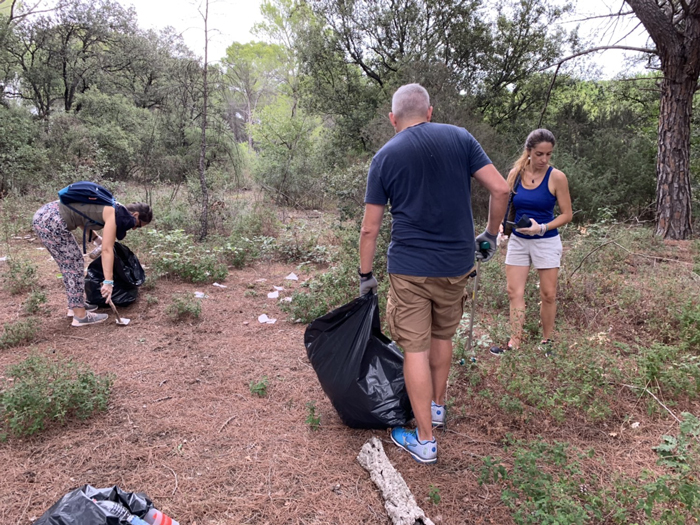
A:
(483, 246)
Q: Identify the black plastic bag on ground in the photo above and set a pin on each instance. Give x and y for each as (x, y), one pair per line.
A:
(128, 276)
(77, 507)
(359, 368)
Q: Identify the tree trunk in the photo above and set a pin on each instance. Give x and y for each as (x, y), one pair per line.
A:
(673, 199)
(203, 149)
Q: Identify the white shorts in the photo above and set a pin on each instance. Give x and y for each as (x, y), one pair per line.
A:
(540, 253)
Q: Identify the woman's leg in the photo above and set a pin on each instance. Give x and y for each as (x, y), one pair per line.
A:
(52, 230)
(516, 277)
(548, 295)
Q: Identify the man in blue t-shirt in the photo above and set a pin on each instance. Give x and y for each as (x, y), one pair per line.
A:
(425, 173)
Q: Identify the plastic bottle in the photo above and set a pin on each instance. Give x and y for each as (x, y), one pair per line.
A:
(94, 254)
(115, 509)
(156, 517)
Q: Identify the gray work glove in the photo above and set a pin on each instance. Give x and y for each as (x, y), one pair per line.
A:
(484, 252)
(367, 284)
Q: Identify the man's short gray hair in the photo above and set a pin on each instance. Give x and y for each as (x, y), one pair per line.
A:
(411, 100)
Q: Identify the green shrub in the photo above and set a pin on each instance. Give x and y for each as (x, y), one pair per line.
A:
(175, 254)
(690, 325)
(33, 303)
(670, 369)
(21, 276)
(184, 306)
(39, 391)
(19, 332)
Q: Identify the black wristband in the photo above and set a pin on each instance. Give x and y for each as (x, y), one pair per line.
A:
(364, 275)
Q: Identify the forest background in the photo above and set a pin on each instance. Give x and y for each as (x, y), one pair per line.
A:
(241, 156)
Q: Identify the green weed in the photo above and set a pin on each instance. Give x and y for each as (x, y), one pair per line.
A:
(669, 369)
(313, 420)
(259, 388)
(34, 302)
(151, 300)
(434, 494)
(21, 276)
(39, 391)
(19, 333)
(184, 306)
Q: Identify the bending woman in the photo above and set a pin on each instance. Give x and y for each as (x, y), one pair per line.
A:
(536, 191)
(53, 224)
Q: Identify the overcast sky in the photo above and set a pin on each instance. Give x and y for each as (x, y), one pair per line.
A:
(231, 21)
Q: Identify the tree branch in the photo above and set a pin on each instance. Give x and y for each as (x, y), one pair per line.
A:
(600, 48)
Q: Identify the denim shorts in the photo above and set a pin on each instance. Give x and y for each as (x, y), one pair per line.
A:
(421, 308)
(540, 253)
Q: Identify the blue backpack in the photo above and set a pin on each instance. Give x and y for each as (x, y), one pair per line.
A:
(85, 192)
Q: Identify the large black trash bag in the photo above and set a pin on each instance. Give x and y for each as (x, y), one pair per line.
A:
(128, 276)
(359, 368)
(77, 507)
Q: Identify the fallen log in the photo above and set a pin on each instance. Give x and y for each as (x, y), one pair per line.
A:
(399, 503)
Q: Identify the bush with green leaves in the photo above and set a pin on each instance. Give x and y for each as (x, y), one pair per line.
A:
(340, 283)
(184, 306)
(668, 369)
(21, 276)
(34, 302)
(19, 333)
(175, 254)
(675, 498)
(39, 391)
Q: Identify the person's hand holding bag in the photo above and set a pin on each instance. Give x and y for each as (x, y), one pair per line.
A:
(367, 283)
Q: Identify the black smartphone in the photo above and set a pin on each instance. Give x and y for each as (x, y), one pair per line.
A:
(524, 222)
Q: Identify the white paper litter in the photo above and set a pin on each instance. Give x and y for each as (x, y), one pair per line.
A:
(292, 277)
(40, 248)
(278, 288)
(219, 285)
(200, 295)
(635, 424)
(287, 299)
(273, 295)
(264, 319)
(260, 280)
(3, 259)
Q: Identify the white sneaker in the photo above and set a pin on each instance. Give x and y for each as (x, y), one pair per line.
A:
(438, 413)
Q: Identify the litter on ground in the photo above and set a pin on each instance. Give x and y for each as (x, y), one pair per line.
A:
(264, 319)
(200, 295)
(219, 285)
(273, 295)
(278, 288)
(292, 277)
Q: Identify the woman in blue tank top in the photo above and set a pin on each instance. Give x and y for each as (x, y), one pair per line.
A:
(537, 187)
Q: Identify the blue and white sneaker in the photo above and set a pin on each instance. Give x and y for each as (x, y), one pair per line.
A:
(422, 451)
(438, 413)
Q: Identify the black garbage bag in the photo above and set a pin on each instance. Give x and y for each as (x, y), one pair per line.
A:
(128, 276)
(359, 368)
(77, 507)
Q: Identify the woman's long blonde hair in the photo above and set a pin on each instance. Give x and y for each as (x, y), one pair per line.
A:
(533, 139)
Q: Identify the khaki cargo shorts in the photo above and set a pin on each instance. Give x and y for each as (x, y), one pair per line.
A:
(419, 308)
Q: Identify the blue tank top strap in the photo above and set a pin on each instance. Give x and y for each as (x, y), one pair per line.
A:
(545, 181)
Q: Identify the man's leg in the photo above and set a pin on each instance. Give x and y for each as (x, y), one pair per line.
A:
(419, 385)
(440, 362)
